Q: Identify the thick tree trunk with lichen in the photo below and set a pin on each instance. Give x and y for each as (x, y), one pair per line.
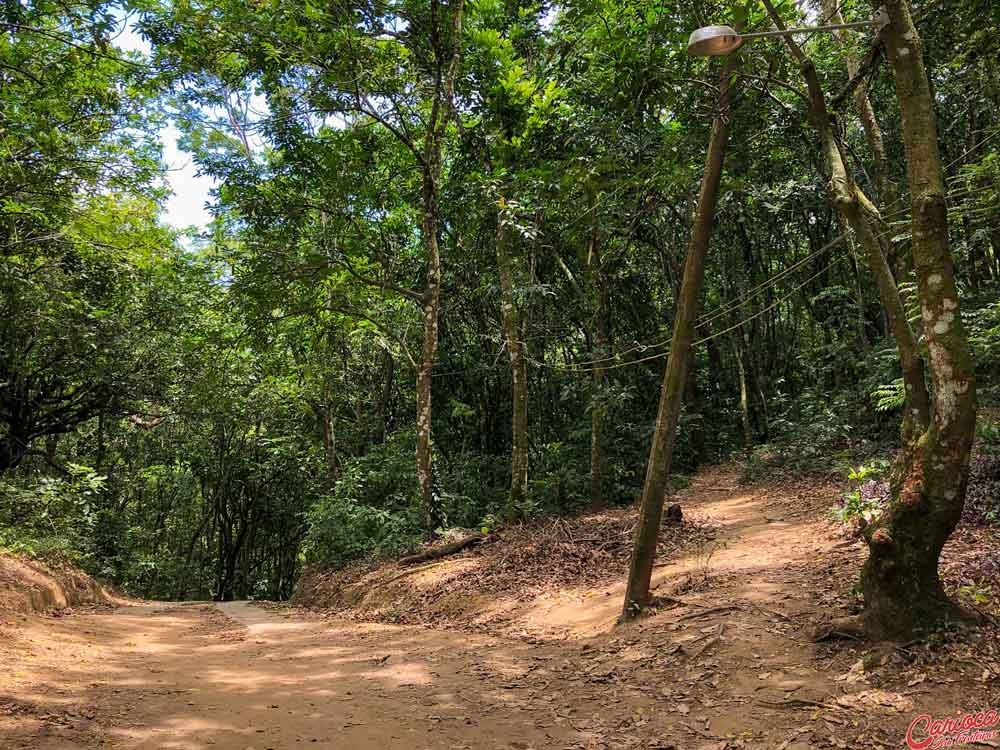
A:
(637, 595)
(510, 314)
(902, 588)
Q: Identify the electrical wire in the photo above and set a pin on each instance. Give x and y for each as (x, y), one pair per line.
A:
(731, 307)
(702, 340)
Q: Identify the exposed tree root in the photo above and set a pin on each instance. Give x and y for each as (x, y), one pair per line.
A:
(860, 627)
(840, 627)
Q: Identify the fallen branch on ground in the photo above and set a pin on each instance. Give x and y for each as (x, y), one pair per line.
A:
(448, 549)
(797, 703)
(706, 612)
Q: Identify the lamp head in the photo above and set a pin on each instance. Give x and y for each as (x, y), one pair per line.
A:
(713, 40)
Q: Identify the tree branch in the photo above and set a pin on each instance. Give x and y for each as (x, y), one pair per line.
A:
(868, 65)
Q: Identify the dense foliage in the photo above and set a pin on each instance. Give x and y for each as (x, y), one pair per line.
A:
(200, 416)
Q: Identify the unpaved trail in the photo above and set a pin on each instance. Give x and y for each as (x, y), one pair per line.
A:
(233, 677)
(723, 665)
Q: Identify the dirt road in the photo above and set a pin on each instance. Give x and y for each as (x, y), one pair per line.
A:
(234, 677)
(723, 666)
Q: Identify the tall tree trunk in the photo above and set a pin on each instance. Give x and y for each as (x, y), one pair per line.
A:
(866, 223)
(601, 352)
(902, 588)
(329, 435)
(745, 420)
(388, 374)
(510, 314)
(637, 595)
(431, 309)
(447, 58)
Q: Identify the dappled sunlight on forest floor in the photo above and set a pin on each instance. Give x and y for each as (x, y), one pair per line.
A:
(724, 661)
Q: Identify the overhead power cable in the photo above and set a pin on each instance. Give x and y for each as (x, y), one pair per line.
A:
(702, 340)
(613, 362)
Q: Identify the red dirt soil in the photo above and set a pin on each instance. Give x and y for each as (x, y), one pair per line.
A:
(31, 586)
(722, 665)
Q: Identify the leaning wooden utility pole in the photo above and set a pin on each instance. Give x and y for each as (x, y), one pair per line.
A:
(678, 360)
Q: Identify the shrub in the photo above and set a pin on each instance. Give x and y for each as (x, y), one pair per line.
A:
(53, 518)
(374, 509)
(867, 496)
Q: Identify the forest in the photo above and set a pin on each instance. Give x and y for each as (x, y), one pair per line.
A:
(474, 264)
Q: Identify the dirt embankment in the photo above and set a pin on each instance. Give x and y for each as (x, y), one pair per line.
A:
(727, 659)
(30, 586)
(564, 577)
(517, 571)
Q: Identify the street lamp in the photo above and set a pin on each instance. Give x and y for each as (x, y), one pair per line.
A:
(721, 40)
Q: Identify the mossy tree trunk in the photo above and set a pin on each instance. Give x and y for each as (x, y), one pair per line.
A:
(902, 588)
(511, 316)
(447, 54)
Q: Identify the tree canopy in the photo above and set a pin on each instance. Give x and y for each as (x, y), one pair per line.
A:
(447, 262)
